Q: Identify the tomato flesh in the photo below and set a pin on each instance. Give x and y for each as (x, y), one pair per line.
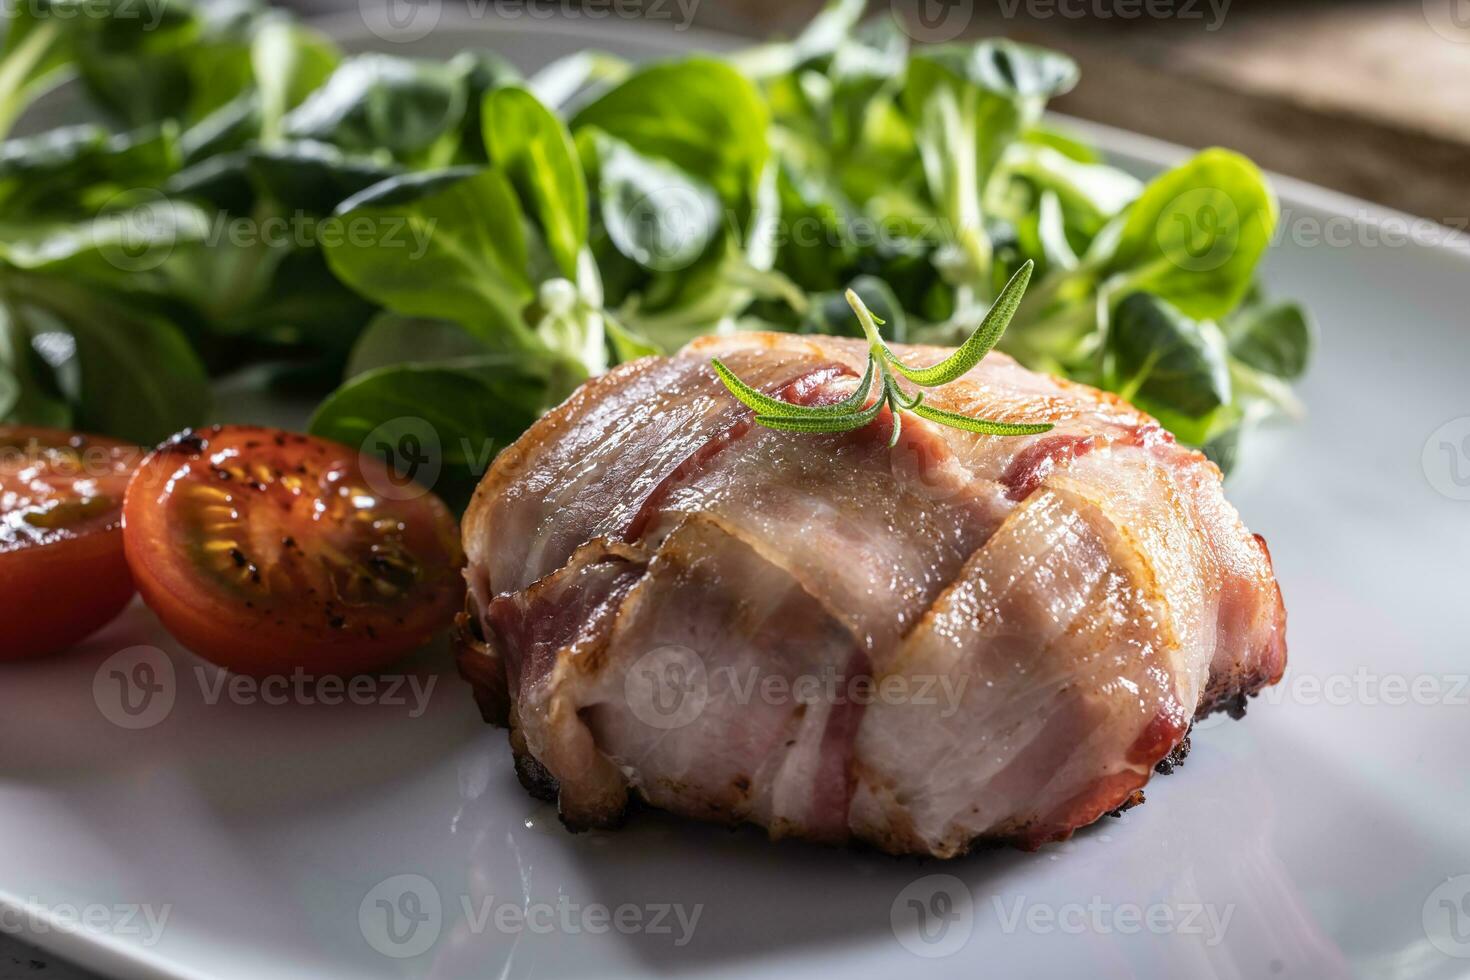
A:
(63, 575)
(265, 552)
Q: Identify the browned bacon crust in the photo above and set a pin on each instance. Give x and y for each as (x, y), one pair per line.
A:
(958, 639)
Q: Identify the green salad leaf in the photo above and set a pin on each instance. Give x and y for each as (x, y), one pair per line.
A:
(699, 114)
(526, 141)
(449, 245)
(1196, 234)
(451, 242)
(1164, 359)
(411, 110)
(655, 214)
(1276, 338)
(474, 406)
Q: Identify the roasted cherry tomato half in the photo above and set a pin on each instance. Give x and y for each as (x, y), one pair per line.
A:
(62, 571)
(264, 552)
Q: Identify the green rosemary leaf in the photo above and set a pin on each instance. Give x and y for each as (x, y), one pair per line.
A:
(842, 423)
(897, 409)
(753, 399)
(981, 341)
(911, 403)
(764, 405)
(836, 423)
(859, 396)
(776, 414)
(982, 426)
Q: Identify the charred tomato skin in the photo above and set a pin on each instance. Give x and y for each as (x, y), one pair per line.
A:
(266, 551)
(63, 575)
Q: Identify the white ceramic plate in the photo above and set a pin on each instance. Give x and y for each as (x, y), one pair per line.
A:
(1326, 836)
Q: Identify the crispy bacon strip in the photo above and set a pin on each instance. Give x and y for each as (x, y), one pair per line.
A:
(958, 639)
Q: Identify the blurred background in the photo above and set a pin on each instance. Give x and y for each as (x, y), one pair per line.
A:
(1367, 97)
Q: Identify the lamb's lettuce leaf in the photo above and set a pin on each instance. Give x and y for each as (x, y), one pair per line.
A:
(447, 245)
(655, 214)
(375, 103)
(1276, 338)
(699, 114)
(474, 407)
(1196, 234)
(532, 146)
(449, 241)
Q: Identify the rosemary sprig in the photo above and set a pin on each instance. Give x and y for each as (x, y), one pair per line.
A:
(854, 412)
